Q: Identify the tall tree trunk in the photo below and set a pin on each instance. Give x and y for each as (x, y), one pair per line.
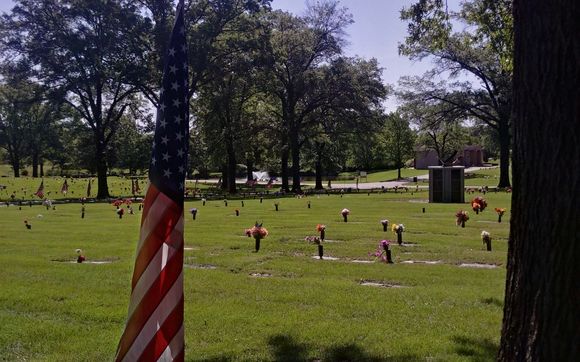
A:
(249, 168)
(34, 163)
(101, 160)
(318, 170)
(41, 166)
(284, 169)
(231, 168)
(504, 154)
(225, 179)
(295, 149)
(542, 302)
(16, 166)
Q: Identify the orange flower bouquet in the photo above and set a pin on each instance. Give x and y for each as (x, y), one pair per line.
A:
(500, 212)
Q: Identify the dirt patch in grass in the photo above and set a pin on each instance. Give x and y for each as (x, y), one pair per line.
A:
(260, 275)
(89, 261)
(200, 266)
(429, 262)
(478, 265)
(358, 261)
(325, 257)
(381, 284)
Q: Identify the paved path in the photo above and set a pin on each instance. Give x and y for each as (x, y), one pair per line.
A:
(363, 185)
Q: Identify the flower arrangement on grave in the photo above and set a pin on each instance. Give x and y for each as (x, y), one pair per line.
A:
(383, 252)
(80, 257)
(486, 239)
(345, 213)
(248, 232)
(193, 212)
(478, 204)
(316, 240)
(117, 203)
(321, 228)
(500, 211)
(461, 218)
(385, 224)
(398, 229)
(258, 232)
(120, 212)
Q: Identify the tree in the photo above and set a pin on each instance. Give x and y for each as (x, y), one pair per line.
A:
(94, 51)
(399, 141)
(542, 300)
(299, 46)
(484, 52)
(13, 115)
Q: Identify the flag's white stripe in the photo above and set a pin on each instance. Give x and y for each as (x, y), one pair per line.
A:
(154, 214)
(172, 298)
(173, 348)
(152, 271)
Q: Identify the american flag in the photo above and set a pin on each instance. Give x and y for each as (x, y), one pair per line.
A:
(64, 188)
(40, 191)
(154, 329)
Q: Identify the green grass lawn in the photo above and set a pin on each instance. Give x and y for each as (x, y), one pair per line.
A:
(303, 309)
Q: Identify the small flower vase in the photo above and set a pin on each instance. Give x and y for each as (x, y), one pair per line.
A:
(242, 203)
(203, 203)
(309, 204)
(28, 226)
(120, 216)
(225, 202)
(193, 214)
(257, 244)
(140, 207)
(237, 212)
(389, 254)
(400, 237)
(423, 210)
(462, 223)
(487, 242)
(385, 227)
(322, 234)
(82, 215)
(499, 218)
(320, 251)
(261, 199)
(276, 206)
(345, 216)
(477, 211)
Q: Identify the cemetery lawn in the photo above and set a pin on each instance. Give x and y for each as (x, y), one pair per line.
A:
(280, 304)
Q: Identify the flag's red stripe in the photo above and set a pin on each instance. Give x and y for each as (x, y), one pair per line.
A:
(150, 198)
(181, 356)
(154, 241)
(165, 334)
(150, 301)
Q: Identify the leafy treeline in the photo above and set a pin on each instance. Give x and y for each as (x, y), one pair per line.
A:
(268, 90)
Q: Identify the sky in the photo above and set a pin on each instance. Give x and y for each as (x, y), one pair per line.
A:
(375, 33)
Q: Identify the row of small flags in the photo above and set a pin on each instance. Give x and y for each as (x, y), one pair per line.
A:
(135, 189)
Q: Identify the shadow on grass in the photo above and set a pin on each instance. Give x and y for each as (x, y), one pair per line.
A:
(286, 348)
(478, 350)
(493, 301)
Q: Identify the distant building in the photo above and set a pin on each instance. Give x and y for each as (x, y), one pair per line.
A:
(470, 156)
